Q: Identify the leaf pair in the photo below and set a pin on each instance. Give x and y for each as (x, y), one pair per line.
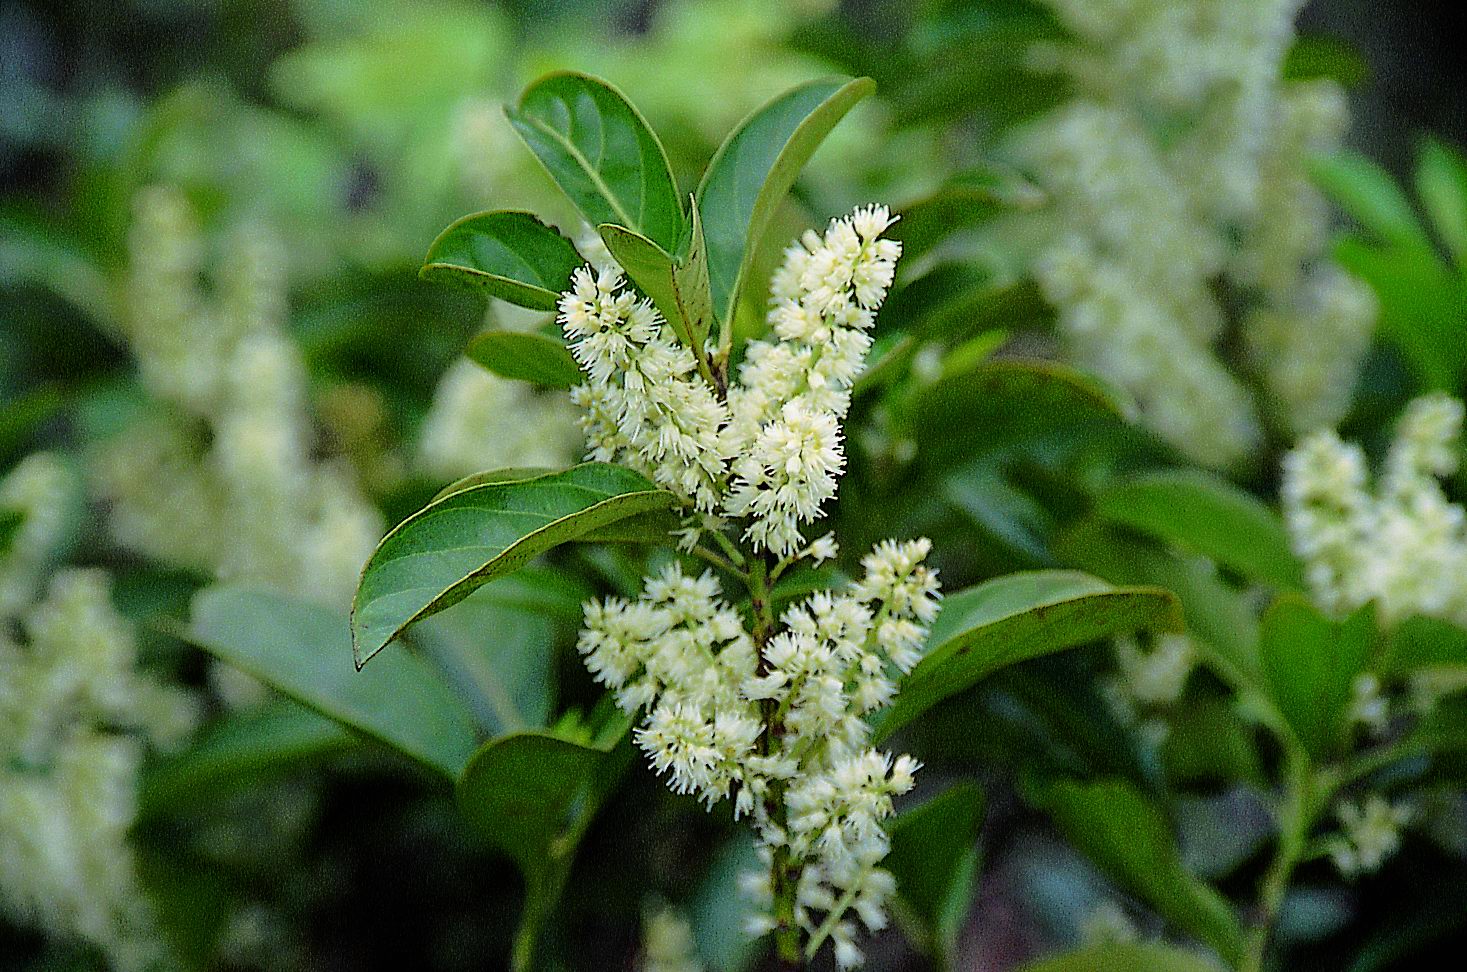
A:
(607, 160)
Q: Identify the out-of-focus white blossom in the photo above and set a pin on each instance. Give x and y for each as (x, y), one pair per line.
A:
(1370, 833)
(75, 717)
(1157, 674)
(219, 474)
(1368, 706)
(1184, 163)
(1401, 544)
(667, 942)
(481, 421)
(39, 490)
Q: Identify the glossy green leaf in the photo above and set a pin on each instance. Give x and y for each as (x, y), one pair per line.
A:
(1016, 617)
(453, 546)
(1310, 663)
(521, 356)
(1125, 957)
(228, 753)
(1221, 618)
(1441, 182)
(1003, 404)
(508, 254)
(1126, 836)
(1203, 513)
(679, 288)
(648, 528)
(754, 170)
(602, 154)
(505, 474)
(301, 649)
(532, 795)
(966, 199)
(934, 858)
(1368, 194)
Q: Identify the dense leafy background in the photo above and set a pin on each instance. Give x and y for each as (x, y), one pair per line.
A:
(293, 111)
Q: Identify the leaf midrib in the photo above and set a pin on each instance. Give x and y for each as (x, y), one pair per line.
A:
(586, 166)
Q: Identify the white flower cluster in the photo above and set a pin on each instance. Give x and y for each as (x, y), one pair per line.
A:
(645, 404)
(75, 718)
(1402, 544)
(1184, 164)
(779, 726)
(784, 437)
(40, 491)
(219, 474)
(772, 452)
(1370, 833)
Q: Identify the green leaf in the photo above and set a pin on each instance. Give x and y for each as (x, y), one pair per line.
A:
(1310, 663)
(954, 300)
(1127, 837)
(532, 795)
(506, 474)
(1420, 642)
(982, 67)
(602, 154)
(718, 917)
(934, 858)
(1205, 514)
(754, 170)
(1125, 957)
(646, 528)
(498, 656)
(1423, 307)
(1315, 57)
(1007, 515)
(1367, 193)
(228, 753)
(453, 546)
(680, 289)
(1016, 617)
(966, 199)
(535, 358)
(1441, 182)
(1220, 617)
(301, 649)
(1210, 743)
(10, 523)
(1003, 404)
(509, 254)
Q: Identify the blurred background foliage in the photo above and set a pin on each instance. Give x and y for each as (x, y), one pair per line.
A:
(289, 162)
